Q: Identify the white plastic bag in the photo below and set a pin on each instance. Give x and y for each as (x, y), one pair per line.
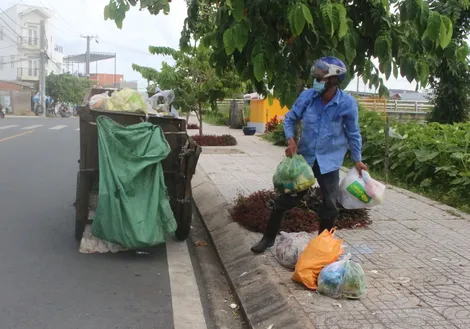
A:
(99, 101)
(289, 246)
(342, 279)
(161, 100)
(360, 192)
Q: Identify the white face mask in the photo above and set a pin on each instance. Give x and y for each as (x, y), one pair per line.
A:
(319, 87)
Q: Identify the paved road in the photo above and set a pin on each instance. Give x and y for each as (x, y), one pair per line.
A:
(45, 281)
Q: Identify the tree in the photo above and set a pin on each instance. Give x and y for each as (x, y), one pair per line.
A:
(451, 79)
(193, 79)
(66, 88)
(275, 42)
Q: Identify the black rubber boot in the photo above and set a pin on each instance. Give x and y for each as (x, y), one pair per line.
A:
(269, 236)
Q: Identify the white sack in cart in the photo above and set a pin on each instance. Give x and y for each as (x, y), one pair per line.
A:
(360, 192)
(99, 101)
(289, 246)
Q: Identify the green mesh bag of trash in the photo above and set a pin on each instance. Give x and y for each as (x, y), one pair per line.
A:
(133, 207)
(293, 175)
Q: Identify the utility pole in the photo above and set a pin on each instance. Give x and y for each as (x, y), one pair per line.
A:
(42, 67)
(87, 55)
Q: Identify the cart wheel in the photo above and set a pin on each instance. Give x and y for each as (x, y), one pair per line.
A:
(184, 225)
(79, 225)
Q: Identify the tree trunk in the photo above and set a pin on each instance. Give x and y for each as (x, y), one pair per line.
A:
(199, 110)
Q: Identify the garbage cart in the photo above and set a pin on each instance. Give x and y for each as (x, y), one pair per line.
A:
(179, 167)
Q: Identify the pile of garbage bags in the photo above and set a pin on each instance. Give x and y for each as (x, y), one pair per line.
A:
(318, 268)
(293, 175)
(129, 100)
(315, 261)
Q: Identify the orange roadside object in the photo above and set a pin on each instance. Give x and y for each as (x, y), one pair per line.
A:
(320, 251)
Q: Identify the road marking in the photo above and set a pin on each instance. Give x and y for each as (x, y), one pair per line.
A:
(17, 135)
(187, 306)
(10, 126)
(31, 127)
(58, 127)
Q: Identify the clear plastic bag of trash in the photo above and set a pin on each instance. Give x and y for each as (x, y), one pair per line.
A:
(293, 175)
(98, 101)
(342, 279)
(289, 246)
(360, 192)
(126, 100)
(162, 100)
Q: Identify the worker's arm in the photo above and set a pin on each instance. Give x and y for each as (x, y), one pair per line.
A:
(353, 132)
(296, 114)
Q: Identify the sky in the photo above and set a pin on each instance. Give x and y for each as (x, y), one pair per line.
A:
(73, 18)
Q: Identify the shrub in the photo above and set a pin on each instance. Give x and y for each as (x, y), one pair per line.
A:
(272, 125)
(216, 118)
(253, 211)
(277, 136)
(213, 140)
(192, 126)
(432, 158)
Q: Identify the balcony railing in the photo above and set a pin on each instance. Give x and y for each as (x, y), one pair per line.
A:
(28, 42)
(28, 74)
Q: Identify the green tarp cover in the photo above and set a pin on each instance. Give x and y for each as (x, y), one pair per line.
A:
(133, 206)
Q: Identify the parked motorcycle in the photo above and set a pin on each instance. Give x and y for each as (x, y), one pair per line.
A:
(2, 112)
(64, 111)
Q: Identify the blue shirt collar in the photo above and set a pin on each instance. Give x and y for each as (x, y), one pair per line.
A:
(335, 99)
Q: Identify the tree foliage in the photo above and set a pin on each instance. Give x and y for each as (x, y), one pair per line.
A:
(451, 79)
(67, 88)
(275, 42)
(194, 80)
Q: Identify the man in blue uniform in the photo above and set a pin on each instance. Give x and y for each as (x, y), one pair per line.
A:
(330, 126)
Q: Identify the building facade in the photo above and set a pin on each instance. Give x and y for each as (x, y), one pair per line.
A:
(20, 44)
(106, 79)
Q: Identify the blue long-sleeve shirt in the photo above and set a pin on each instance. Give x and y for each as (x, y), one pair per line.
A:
(328, 129)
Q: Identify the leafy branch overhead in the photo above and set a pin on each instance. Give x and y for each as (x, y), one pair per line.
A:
(193, 79)
(277, 41)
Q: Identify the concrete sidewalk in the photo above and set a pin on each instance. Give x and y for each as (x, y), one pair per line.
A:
(416, 254)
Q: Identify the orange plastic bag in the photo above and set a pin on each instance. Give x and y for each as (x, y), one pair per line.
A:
(321, 251)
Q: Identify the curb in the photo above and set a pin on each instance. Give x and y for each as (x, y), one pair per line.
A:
(264, 301)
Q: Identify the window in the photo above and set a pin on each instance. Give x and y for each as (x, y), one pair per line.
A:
(33, 35)
(12, 58)
(33, 67)
(1, 63)
(1, 32)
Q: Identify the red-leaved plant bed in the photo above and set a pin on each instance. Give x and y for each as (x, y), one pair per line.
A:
(192, 126)
(252, 212)
(214, 140)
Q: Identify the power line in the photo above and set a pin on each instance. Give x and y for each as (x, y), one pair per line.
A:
(8, 47)
(18, 60)
(60, 16)
(6, 24)
(127, 48)
(3, 11)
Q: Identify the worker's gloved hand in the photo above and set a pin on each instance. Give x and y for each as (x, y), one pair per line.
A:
(291, 148)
